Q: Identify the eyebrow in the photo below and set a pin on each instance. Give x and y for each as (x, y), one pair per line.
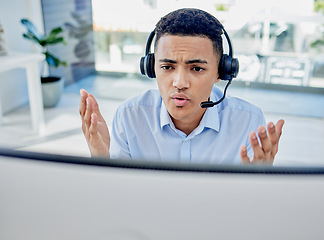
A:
(187, 62)
(167, 60)
(196, 61)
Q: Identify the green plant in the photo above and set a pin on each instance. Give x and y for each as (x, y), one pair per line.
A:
(318, 42)
(319, 6)
(221, 7)
(45, 40)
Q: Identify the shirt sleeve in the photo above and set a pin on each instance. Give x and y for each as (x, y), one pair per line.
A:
(119, 148)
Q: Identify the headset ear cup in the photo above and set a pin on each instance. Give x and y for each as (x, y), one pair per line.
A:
(221, 67)
(147, 65)
(150, 65)
(228, 67)
(142, 61)
(235, 67)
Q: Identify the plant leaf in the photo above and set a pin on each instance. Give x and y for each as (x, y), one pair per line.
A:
(31, 28)
(317, 43)
(33, 35)
(56, 31)
(43, 40)
(53, 60)
(54, 40)
(28, 37)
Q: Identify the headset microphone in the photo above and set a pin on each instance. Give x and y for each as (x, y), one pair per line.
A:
(228, 69)
(209, 103)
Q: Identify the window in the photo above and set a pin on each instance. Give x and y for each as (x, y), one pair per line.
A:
(272, 41)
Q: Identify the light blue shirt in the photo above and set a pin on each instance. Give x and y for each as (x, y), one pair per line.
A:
(142, 129)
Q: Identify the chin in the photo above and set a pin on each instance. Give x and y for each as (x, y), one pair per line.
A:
(181, 113)
(177, 112)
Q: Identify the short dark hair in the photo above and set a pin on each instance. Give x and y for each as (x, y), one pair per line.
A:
(191, 22)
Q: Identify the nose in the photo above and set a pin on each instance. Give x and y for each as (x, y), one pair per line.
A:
(181, 79)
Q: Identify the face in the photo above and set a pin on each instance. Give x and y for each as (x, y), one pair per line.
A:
(186, 69)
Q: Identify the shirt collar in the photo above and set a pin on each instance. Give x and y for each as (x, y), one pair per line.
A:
(211, 116)
(209, 120)
(165, 118)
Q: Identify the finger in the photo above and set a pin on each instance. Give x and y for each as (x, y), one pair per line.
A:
(244, 157)
(272, 133)
(258, 152)
(265, 142)
(83, 97)
(94, 124)
(82, 109)
(88, 112)
(95, 105)
(275, 132)
(94, 136)
(96, 142)
(279, 126)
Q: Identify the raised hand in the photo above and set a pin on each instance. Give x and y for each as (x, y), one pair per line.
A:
(94, 126)
(266, 150)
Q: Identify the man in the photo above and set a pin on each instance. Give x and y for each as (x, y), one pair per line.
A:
(169, 124)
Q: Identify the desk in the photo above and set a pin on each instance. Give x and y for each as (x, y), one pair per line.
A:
(29, 62)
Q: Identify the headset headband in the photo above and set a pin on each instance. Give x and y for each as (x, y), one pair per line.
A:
(152, 34)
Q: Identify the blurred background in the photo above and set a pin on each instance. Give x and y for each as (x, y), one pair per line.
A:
(277, 42)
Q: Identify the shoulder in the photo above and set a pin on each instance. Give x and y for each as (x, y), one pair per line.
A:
(238, 111)
(150, 98)
(236, 104)
(137, 115)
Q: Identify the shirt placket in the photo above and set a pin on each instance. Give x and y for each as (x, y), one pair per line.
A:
(185, 152)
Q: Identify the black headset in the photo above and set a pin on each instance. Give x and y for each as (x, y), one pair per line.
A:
(227, 69)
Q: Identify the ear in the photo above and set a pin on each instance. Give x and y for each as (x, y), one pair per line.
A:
(217, 79)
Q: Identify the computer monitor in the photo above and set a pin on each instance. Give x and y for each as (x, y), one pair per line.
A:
(46, 196)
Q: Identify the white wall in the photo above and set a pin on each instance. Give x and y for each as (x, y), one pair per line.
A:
(13, 84)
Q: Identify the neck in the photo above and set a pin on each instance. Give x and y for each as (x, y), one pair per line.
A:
(187, 126)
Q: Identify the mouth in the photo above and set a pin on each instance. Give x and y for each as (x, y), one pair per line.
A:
(180, 100)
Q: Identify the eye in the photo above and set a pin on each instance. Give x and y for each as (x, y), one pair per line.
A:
(198, 69)
(166, 67)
